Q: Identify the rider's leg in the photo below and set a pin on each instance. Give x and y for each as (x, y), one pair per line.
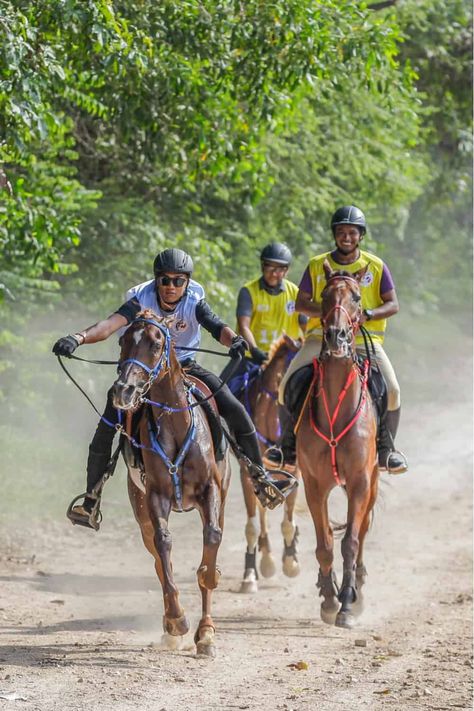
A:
(241, 426)
(389, 458)
(100, 451)
(284, 452)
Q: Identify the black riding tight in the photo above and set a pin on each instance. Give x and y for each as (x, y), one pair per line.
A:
(233, 412)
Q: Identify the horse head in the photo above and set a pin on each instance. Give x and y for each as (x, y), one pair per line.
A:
(144, 359)
(341, 311)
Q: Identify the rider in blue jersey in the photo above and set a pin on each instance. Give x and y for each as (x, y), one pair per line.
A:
(172, 293)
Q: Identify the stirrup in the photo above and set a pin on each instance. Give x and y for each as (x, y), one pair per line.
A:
(271, 462)
(272, 492)
(399, 466)
(88, 519)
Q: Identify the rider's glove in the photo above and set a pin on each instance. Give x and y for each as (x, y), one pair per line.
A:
(258, 356)
(238, 347)
(66, 346)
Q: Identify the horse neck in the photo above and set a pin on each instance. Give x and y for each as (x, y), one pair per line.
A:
(170, 390)
(271, 376)
(336, 373)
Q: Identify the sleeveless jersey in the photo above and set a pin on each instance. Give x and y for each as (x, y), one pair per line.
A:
(273, 313)
(369, 289)
(185, 329)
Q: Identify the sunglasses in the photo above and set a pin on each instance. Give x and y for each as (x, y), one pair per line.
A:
(274, 268)
(167, 281)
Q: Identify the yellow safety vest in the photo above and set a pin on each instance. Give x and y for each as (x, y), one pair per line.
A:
(273, 314)
(370, 290)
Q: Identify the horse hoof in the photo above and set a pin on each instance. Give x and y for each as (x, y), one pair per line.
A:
(177, 626)
(345, 620)
(291, 567)
(205, 650)
(267, 565)
(249, 584)
(329, 610)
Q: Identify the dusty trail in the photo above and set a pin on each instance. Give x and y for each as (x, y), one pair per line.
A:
(81, 622)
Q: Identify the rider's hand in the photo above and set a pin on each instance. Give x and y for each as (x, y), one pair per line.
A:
(258, 356)
(66, 346)
(238, 347)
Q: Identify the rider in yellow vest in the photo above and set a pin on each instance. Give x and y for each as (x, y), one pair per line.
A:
(266, 306)
(379, 302)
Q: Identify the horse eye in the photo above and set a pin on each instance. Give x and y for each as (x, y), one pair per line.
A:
(356, 297)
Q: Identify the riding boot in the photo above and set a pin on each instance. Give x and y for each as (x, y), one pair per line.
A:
(283, 453)
(390, 459)
(88, 513)
(269, 491)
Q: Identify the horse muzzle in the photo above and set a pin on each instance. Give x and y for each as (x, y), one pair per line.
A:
(338, 341)
(126, 396)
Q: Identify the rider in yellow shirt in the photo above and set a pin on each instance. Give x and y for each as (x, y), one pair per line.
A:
(266, 307)
(379, 302)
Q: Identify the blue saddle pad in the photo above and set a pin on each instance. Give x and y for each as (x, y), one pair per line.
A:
(244, 379)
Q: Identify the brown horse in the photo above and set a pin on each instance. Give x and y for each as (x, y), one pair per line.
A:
(261, 401)
(336, 445)
(181, 472)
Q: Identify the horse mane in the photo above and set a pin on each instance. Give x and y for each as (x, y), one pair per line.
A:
(150, 315)
(273, 349)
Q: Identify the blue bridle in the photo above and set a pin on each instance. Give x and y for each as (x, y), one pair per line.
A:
(156, 448)
(164, 358)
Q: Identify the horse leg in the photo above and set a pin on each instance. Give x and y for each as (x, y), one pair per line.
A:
(208, 574)
(317, 501)
(358, 501)
(290, 533)
(174, 619)
(361, 570)
(249, 583)
(267, 561)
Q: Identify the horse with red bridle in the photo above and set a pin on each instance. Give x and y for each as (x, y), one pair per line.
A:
(336, 445)
(260, 398)
(180, 468)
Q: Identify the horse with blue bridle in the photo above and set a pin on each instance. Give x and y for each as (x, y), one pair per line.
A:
(180, 468)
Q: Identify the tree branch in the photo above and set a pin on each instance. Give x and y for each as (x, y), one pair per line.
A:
(382, 5)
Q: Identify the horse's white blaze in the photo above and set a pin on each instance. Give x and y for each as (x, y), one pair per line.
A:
(137, 335)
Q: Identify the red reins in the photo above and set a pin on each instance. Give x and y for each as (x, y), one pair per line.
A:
(332, 440)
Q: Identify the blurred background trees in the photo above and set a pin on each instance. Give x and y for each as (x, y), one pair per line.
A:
(126, 127)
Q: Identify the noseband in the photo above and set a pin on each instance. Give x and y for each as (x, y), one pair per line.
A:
(164, 359)
(353, 323)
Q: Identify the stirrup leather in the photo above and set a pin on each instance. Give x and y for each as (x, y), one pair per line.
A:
(85, 518)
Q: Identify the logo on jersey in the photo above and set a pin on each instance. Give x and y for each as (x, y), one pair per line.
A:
(180, 325)
(263, 307)
(367, 279)
(290, 307)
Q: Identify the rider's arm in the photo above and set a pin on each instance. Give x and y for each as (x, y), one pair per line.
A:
(244, 314)
(103, 329)
(390, 306)
(209, 320)
(304, 302)
(389, 297)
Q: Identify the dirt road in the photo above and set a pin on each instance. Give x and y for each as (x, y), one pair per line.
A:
(81, 612)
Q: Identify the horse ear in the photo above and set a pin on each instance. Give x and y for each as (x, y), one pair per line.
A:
(361, 273)
(327, 269)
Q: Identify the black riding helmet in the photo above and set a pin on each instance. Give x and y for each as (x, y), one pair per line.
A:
(173, 260)
(349, 215)
(276, 252)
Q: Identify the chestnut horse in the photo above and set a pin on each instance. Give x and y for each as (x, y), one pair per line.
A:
(181, 472)
(336, 445)
(261, 402)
